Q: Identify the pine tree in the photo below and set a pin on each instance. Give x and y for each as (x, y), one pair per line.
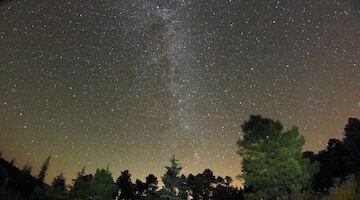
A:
(59, 183)
(172, 180)
(27, 169)
(44, 169)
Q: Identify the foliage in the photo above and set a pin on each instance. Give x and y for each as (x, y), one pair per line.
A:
(339, 160)
(347, 190)
(101, 186)
(27, 169)
(44, 169)
(126, 188)
(201, 184)
(82, 188)
(273, 167)
(352, 144)
(332, 165)
(104, 185)
(151, 185)
(171, 178)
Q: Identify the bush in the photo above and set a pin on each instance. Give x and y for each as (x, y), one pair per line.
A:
(348, 190)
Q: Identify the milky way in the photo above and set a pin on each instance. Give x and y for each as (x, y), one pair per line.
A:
(129, 83)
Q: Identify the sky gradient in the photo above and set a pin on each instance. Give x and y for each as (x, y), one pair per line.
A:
(129, 83)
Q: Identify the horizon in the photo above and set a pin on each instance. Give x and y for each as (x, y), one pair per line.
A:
(130, 83)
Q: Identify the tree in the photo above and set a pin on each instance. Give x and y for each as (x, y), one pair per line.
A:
(57, 191)
(104, 185)
(201, 185)
(126, 187)
(82, 188)
(59, 183)
(174, 187)
(339, 159)
(44, 169)
(27, 169)
(140, 188)
(4, 179)
(332, 165)
(352, 143)
(171, 177)
(151, 184)
(273, 167)
(205, 186)
(227, 193)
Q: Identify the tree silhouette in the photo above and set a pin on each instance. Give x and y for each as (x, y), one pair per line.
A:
(82, 188)
(174, 187)
(171, 177)
(59, 183)
(222, 192)
(151, 184)
(273, 167)
(57, 191)
(44, 168)
(126, 187)
(104, 185)
(4, 179)
(201, 184)
(27, 169)
(332, 165)
(140, 188)
(339, 160)
(352, 143)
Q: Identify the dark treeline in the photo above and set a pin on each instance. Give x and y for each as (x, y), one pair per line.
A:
(19, 184)
(339, 162)
(274, 167)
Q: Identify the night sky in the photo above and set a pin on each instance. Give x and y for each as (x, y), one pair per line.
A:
(129, 83)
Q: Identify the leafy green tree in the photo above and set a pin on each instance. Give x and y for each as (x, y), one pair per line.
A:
(273, 167)
(44, 169)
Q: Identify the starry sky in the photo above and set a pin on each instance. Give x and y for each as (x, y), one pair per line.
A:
(129, 83)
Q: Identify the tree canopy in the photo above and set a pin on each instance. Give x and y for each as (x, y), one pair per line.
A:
(273, 167)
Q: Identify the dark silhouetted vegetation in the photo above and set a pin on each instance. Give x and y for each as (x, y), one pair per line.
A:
(274, 167)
